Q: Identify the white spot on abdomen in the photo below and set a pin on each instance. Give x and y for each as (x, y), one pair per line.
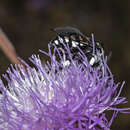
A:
(66, 40)
(91, 62)
(56, 42)
(66, 63)
(60, 39)
(74, 44)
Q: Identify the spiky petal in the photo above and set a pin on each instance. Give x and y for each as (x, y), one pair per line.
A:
(50, 98)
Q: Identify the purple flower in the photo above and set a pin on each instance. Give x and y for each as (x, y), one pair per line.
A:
(56, 97)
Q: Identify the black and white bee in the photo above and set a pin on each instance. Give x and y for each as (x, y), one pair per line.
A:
(73, 38)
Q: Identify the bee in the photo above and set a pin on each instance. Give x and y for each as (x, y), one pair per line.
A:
(74, 39)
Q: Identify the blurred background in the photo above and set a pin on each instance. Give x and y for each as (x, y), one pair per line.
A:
(27, 24)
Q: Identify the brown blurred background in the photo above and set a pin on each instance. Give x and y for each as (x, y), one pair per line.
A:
(27, 23)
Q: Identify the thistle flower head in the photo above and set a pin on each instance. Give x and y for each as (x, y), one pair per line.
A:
(56, 97)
